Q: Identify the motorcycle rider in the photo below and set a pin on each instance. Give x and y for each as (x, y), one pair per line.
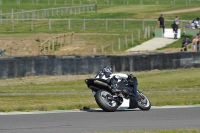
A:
(128, 86)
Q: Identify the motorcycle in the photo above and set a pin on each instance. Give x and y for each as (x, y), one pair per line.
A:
(117, 91)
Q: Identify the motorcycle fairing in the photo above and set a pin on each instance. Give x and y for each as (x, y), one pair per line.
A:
(128, 104)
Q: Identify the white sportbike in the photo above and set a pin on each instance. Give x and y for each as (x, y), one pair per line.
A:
(117, 91)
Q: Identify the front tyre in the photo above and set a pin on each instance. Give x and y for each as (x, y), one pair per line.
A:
(105, 101)
(143, 101)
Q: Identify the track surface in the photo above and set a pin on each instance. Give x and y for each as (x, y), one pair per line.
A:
(99, 121)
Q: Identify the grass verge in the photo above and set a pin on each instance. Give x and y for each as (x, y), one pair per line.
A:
(166, 87)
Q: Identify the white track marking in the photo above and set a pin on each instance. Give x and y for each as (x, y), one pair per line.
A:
(93, 110)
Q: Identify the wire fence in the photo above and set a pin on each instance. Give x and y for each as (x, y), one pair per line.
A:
(27, 24)
(45, 13)
(106, 2)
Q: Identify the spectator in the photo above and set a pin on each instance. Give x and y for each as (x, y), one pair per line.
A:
(195, 43)
(175, 26)
(1, 53)
(185, 42)
(161, 23)
(198, 36)
(196, 23)
(190, 25)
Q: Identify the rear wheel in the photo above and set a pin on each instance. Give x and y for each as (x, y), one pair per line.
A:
(105, 101)
(143, 101)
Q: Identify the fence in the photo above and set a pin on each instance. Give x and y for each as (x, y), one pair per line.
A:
(44, 13)
(107, 2)
(81, 24)
(54, 43)
(46, 2)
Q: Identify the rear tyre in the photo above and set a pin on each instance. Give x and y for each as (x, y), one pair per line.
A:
(143, 101)
(105, 101)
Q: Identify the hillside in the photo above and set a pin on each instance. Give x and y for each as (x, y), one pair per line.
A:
(101, 35)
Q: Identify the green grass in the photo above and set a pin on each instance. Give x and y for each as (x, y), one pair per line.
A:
(156, 80)
(167, 87)
(46, 102)
(71, 86)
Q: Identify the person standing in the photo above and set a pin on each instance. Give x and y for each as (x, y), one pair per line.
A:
(175, 26)
(161, 23)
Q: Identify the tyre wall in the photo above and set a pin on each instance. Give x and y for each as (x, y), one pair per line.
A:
(14, 67)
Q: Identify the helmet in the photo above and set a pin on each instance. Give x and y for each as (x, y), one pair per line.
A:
(107, 71)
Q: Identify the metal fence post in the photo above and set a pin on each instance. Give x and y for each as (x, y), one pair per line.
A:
(149, 32)
(69, 23)
(138, 34)
(22, 15)
(94, 50)
(49, 24)
(79, 10)
(45, 13)
(74, 11)
(0, 16)
(31, 24)
(112, 47)
(70, 11)
(27, 15)
(145, 32)
(13, 28)
(84, 24)
(66, 11)
(106, 24)
(12, 14)
(33, 14)
(126, 41)
(96, 8)
(57, 12)
(124, 24)
(119, 47)
(143, 24)
(132, 39)
(6, 18)
(53, 47)
(52, 12)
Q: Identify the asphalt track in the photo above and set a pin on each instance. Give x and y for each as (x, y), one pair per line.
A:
(99, 121)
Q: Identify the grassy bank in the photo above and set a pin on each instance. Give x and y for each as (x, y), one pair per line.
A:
(87, 32)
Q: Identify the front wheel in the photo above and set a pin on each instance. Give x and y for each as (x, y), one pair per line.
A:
(143, 101)
(105, 101)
